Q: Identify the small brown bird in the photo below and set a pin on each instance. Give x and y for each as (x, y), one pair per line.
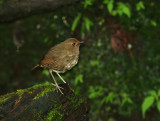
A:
(60, 58)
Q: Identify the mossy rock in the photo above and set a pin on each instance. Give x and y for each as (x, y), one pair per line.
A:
(43, 102)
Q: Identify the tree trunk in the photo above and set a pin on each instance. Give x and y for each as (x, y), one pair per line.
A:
(43, 102)
(11, 10)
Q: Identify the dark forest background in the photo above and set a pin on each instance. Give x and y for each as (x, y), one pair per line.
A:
(119, 65)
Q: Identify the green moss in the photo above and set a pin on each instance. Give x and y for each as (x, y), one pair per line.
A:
(6, 97)
(44, 92)
(56, 113)
(20, 93)
(1, 115)
(49, 88)
(76, 102)
(25, 107)
(41, 85)
(37, 115)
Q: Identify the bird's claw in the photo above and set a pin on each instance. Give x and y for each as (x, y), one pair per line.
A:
(58, 88)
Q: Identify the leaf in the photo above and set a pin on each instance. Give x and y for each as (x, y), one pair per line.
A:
(110, 6)
(78, 79)
(123, 9)
(153, 23)
(95, 94)
(158, 92)
(101, 21)
(152, 92)
(111, 96)
(88, 23)
(88, 3)
(126, 100)
(147, 103)
(45, 72)
(105, 1)
(75, 22)
(95, 63)
(140, 6)
(158, 105)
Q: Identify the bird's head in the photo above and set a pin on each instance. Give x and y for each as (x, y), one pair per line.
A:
(73, 43)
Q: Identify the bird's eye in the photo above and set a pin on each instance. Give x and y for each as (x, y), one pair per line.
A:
(73, 44)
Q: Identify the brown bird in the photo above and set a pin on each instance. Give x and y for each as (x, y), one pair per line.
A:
(60, 58)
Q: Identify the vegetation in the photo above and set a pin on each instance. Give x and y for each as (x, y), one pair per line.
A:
(119, 64)
(42, 102)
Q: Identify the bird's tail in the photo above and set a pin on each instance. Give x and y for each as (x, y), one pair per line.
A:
(34, 67)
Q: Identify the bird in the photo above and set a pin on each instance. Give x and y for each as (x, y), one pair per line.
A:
(61, 58)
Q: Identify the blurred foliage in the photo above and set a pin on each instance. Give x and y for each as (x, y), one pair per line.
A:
(123, 84)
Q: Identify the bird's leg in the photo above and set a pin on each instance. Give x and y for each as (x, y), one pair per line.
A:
(60, 77)
(56, 85)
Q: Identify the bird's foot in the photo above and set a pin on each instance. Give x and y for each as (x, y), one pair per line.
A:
(58, 88)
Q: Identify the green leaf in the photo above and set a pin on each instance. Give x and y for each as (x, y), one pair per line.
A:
(147, 103)
(110, 6)
(111, 96)
(105, 1)
(153, 23)
(78, 79)
(101, 21)
(123, 9)
(75, 22)
(95, 63)
(95, 92)
(158, 105)
(152, 92)
(140, 6)
(126, 100)
(88, 23)
(158, 92)
(114, 13)
(45, 72)
(88, 3)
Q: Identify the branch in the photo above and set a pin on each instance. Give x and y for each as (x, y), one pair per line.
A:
(11, 10)
(42, 102)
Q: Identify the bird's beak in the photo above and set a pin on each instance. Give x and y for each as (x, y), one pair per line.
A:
(80, 42)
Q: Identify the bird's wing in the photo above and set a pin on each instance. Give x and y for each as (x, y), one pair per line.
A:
(52, 60)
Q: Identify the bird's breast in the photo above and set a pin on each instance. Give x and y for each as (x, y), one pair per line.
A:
(72, 62)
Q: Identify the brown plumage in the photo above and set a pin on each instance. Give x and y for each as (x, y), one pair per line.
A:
(60, 58)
